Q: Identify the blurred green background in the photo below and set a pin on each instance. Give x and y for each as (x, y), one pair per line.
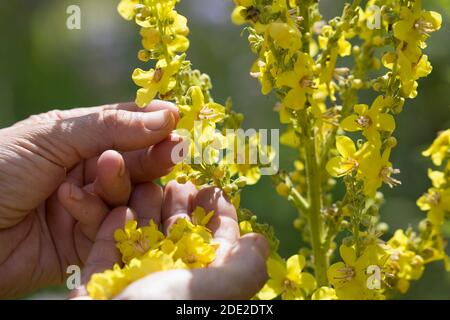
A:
(43, 65)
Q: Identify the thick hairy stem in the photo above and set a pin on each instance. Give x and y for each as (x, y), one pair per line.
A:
(314, 183)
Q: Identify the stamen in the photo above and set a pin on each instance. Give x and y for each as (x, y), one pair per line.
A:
(363, 122)
(157, 76)
(386, 173)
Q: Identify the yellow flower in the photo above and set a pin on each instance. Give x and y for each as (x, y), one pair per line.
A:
(200, 217)
(370, 120)
(416, 25)
(183, 227)
(351, 278)
(158, 80)
(376, 169)
(133, 242)
(245, 227)
(287, 279)
(300, 81)
(405, 265)
(348, 160)
(324, 293)
(438, 178)
(340, 48)
(174, 39)
(244, 12)
(285, 35)
(126, 8)
(199, 110)
(437, 203)
(194, 251)
(106, 285)
(440, 149)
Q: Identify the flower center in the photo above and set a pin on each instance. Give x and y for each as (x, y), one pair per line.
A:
(363, 122)
(289, 285)
(346, 274)
(350, 164)
(190, 258)
(207, 113)
(252, 13)
(142, 245)
(433, 198)
(424, 27)
(307, 82)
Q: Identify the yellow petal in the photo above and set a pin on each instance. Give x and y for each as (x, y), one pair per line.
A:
(345, 146)
(348, 254)
(350, 123)
(271, 290)
(276, 269)
(295, 265)
(386, 122)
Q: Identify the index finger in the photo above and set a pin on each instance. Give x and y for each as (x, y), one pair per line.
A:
(224, 224)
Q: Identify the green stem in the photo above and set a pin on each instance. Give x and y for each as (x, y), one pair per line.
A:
(314, 182)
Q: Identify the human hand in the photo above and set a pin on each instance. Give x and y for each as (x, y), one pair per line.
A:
(238, 272)
(39, 238)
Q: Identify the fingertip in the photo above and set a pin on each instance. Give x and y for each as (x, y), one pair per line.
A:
(214, 199)
(157, 105)
(116, 219)
(64, 192)
(259, 242)
(146, 200)
(109, 162)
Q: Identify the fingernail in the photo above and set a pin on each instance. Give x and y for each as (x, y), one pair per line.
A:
(156, 121)
(76, 193)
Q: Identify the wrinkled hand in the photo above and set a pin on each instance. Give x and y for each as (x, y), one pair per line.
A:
(42, 231)
(238, 272)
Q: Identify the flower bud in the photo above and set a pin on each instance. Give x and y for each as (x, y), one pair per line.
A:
(182, 179)
(241, 182)
(298, 224)
(357, 84)
(382, 227)
(228, 188)
(218, 173)
(283, 190)
(144, 55)
(391, 142)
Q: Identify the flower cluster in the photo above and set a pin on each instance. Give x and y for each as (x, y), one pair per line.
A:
(203, 126)
(340, 140)
(146, 250)
(209, 150)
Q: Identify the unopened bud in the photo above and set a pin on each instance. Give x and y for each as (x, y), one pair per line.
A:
(241, 182)
(144, 55)
(182, 179)
(383, 227)
(283, 190)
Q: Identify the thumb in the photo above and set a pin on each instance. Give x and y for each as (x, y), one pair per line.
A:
(241, 276)
(66, 142)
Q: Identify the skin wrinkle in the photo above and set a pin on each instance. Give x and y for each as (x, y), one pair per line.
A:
(52, 241)
(19, 241)
(13, 251)
(78, 234)
(62, 259)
